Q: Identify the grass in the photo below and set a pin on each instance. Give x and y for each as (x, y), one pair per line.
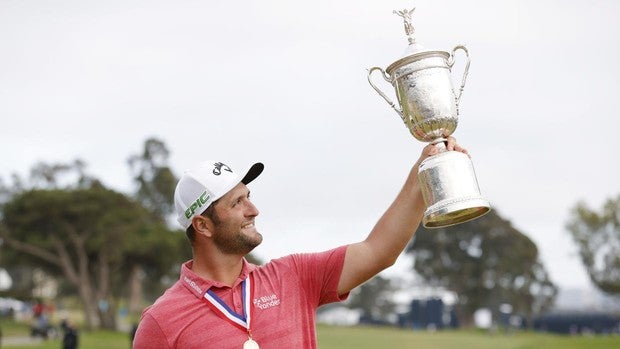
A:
(375, 337)
(331, 337)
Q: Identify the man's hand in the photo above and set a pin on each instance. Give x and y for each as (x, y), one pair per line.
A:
(433, 149)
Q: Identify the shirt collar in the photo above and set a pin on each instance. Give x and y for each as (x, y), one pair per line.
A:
(199, 286)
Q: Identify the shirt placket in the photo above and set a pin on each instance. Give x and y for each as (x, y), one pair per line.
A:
(232, 297)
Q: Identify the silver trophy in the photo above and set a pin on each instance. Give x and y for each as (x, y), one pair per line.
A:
(429, 108)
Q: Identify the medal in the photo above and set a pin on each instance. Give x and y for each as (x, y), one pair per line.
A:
(241, 321)
(250, 344)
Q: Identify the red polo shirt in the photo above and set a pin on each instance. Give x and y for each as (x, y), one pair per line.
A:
(287, 292)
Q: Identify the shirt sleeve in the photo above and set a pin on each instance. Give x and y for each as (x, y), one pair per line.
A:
(149, 335)
(319, 273)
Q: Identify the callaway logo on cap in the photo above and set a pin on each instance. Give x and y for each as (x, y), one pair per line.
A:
(200, 187)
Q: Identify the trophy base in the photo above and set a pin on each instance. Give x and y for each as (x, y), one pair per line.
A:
(450, 190)
(445, 214)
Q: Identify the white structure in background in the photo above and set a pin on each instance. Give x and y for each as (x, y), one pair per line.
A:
(483, 318)
(5, 280)
(409, 289)
(338, 314)
(46, 287)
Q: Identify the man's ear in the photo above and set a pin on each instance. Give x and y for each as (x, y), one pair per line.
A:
(202, 226)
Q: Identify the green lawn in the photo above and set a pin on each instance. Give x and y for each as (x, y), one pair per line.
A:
(371, 337)
(367, 338)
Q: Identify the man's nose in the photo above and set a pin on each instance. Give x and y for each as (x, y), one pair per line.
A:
(251, 209)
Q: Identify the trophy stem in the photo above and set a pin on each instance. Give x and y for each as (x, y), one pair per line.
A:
(441, 143)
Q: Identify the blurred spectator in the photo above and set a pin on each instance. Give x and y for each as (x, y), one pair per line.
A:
(37, 309)
(41, 327)
(70, 335)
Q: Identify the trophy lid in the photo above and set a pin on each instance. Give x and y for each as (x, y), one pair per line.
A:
(414, 48)
(414, 51)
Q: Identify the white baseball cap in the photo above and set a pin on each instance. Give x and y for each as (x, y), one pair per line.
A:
(201, 186)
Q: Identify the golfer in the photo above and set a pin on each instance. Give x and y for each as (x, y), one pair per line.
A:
(223, 301)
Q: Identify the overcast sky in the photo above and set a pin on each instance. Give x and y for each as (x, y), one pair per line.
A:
(284, 82)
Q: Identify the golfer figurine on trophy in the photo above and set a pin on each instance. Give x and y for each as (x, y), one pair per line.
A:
(428, 105)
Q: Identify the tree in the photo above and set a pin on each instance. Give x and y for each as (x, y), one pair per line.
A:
(152, 262)
(373, 298)
(155, 183)
(597, 235)
(42, 175)
(154, 179)
(87, 235)
(486, 262)
(77, 234)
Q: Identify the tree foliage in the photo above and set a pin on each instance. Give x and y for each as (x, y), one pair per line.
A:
(486, 262)
(88, 236)
(373, 298)
(77, 234)
(597, 235)
(154, 179)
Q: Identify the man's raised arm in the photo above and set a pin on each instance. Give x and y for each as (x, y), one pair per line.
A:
(392, 232)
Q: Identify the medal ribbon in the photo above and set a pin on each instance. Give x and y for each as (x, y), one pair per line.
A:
(242, 322)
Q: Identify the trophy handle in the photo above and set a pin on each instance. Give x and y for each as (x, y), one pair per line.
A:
(451, 63)
(388, 79)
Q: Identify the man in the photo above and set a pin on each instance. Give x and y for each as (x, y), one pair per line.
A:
(222, 301)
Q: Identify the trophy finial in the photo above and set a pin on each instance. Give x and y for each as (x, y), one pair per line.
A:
(406, 15)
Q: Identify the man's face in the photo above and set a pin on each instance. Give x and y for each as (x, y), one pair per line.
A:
(234, 230)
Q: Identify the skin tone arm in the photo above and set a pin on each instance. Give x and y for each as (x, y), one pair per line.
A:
(392, 232)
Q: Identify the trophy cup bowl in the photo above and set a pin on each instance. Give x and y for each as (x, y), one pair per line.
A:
(429, 108)
(424, 92)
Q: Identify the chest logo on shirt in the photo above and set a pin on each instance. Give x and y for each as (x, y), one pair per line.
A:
(267, 302)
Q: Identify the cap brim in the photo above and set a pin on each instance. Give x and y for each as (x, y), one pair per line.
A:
(253, 172)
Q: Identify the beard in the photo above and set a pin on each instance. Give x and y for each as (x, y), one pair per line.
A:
(233, 240)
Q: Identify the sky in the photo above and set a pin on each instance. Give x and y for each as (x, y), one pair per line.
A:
(285, 83)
